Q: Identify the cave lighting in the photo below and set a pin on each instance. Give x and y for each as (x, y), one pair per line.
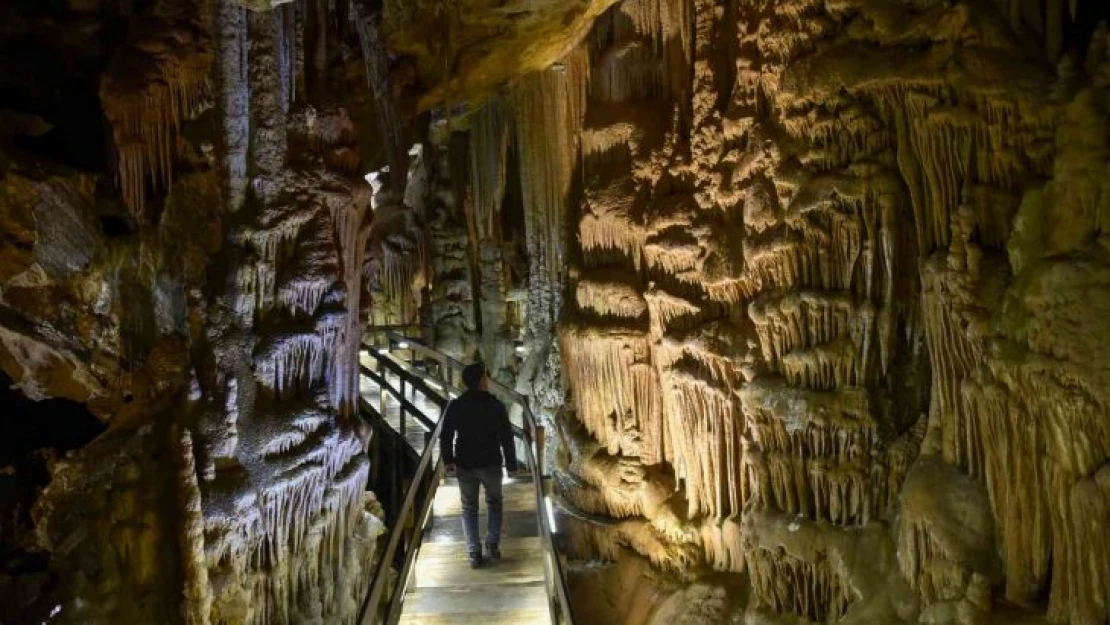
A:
(550, 513)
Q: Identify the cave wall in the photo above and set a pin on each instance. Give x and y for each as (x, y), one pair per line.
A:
(197, 277)
(827, 282)
(811, 292)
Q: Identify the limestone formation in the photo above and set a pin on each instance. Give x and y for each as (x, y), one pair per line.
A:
(803, 235)
(811, 296)
(202, 295)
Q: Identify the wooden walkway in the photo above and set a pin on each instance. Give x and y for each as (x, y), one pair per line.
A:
(444, 589)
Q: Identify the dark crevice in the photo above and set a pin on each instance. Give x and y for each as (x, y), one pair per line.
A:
(115, 226)
(32, 435)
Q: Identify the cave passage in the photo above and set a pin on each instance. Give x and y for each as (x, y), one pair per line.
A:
(799, 306)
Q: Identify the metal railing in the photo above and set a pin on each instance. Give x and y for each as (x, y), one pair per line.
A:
(411, 519)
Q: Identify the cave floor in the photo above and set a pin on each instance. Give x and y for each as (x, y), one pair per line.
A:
(445, 589)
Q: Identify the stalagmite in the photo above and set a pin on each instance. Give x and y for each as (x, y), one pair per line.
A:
(199, 602)
(232, 95)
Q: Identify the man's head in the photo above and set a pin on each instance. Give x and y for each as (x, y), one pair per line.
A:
(474, 377)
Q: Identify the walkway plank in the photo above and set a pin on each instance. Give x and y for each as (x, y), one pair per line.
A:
(443, 565)
(446, 590)
(514, 499)
(489, 605)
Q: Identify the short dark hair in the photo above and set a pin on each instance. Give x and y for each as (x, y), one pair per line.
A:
(472, 374)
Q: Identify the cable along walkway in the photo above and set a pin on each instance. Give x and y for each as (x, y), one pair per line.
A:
(424, 576)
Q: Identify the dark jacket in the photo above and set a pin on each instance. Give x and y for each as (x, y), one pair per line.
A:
(476, 429)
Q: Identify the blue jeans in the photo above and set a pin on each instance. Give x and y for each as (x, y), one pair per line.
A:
(490, 480)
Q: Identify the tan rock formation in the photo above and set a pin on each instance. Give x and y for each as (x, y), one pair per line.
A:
(812, 295)
(802, 232)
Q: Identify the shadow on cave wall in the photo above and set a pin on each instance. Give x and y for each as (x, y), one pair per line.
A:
(32, 435)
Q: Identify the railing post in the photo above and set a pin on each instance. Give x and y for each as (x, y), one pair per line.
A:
(540, 441)
(381, 386)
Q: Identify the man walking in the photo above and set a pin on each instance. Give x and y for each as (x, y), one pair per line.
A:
(476, 430)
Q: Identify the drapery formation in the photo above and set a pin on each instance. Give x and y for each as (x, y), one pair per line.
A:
(812, 257)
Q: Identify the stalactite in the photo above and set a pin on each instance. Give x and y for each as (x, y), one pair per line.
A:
(702, 442)
(858, 167)
(723, 544)
(678, 259)
(550, 107)
(307, 527)
(954, 353)
(666, 309)
(815, 448)
(288, 361)
(668, 26)
(599, 140)
(1025, 538)
(153, 85)
(802, 319)
(375, 55)
(588, 540)
(399, 274)
(623, 398)
(787, 584)
(603, 230)
(303, 296)
(625, 74)
(610, 298)
(931, 569)
(489, 144)
(351, 233)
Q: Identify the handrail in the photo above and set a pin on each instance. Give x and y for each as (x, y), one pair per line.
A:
(405, 403)
(418, 347)
(392, 327)
(533, 435)
(529, 419)
(429, 460)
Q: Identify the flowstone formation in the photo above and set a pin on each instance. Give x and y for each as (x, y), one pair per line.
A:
(828, 282)
(196, 281)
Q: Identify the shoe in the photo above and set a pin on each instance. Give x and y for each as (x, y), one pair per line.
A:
(494, 553)
(476, 561)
